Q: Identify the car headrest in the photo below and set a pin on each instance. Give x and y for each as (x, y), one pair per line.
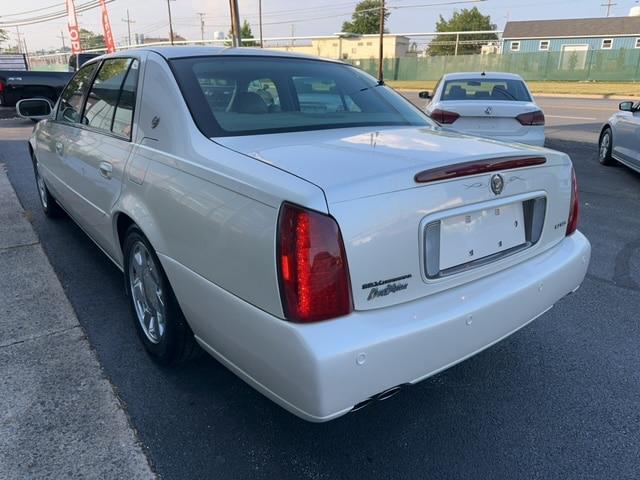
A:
(249, 102)
(457, 93)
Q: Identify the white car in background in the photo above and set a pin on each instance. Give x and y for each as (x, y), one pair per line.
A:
(620, 137)
(306, 226)
(495, 105)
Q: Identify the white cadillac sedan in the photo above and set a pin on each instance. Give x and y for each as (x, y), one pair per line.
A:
(306, 226)
(493, 104)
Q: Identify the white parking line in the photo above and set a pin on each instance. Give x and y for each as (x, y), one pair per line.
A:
(571, 118)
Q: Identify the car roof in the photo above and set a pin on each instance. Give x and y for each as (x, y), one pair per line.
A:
(480, 75)
(169, 52)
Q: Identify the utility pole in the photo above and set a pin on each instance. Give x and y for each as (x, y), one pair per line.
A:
(235, 23)
(170, 22)
(128, 21)
(609, 4)
(64, 47)
(293, 33)
(260, 20)
(201, 25)
(381, 60)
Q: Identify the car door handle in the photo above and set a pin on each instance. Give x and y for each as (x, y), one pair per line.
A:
(106, 170)
(59, 148)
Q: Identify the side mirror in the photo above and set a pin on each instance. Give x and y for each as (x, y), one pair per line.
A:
(424, 95)
(34, 108)
(626, 106)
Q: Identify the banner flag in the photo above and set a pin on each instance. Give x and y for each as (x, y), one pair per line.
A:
(106, 27)
(74, 32)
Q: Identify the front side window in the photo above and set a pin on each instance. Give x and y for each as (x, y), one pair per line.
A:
(70, 106)
(486, 89)
(104, 94)
(257, 95)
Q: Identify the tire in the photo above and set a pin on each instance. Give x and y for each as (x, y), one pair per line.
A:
(159, 322)
(49, 205)
(605, 146)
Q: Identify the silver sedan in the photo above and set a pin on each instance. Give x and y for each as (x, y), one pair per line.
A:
(620, 137)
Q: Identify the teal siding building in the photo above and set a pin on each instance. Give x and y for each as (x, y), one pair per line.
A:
(573, 35)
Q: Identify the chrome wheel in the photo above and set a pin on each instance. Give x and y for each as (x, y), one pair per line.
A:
(42, 190)
(145, 284)
(605, 143)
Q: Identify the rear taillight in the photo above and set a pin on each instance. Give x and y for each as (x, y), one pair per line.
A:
(531, 118)
(444, 117)
(574, 212)
(1, 86)
(314, 276)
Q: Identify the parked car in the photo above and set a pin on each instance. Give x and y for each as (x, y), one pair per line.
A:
(17, 84)
(489, 104)
(620, 137)
(327, 256)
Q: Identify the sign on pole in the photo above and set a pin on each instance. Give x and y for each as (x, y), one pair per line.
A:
(74, 31)
(106, 27)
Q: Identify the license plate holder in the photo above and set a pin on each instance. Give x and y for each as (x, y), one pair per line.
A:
(476, 235)
(467, 239)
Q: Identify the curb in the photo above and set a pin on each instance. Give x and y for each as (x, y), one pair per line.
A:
(59, 414)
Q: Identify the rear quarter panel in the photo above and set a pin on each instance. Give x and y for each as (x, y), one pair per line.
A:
(209, 209)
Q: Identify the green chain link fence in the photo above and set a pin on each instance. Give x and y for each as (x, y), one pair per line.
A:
(595, 65)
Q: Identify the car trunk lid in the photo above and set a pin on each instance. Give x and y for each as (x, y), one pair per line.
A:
(490, 118)
(416, 213)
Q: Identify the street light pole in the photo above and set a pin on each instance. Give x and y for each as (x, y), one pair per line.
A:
(381, 53)
(170, 22)
(235, 23)
(201, 25)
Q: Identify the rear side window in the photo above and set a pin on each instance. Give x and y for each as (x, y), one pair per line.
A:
(486, 89)
(104, 94)
(72, 96)
(123, 119)
(111, 99)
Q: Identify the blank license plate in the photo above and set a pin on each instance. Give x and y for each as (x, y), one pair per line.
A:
(469, 237)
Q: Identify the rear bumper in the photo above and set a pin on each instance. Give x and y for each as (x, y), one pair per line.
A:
(533, 136)
(321, 371)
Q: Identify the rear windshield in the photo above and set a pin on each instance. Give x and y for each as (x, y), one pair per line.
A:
(247, 95)
(486, 89)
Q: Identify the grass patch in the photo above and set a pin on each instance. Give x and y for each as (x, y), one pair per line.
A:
(607, 89)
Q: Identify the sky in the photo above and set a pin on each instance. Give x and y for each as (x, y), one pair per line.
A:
(282, 17)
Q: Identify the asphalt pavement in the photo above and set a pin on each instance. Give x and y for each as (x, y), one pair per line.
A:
(557, 400)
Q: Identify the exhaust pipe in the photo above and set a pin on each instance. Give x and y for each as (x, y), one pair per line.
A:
(379, 397)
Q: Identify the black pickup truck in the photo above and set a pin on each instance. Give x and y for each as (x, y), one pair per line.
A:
(16, 85)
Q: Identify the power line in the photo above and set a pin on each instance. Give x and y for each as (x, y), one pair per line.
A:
(52, 16)
(35, 10)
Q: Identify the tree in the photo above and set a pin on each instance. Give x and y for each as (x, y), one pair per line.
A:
(245, 32)
(366, 18)
(465, 20)
(90, 40)
(4, 36)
